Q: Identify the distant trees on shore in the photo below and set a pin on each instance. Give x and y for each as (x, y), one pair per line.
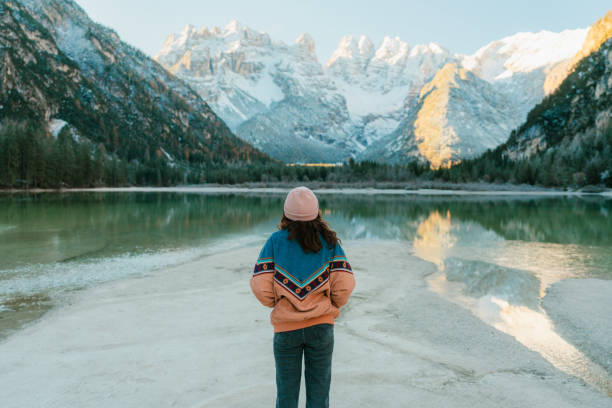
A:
(585, 159)
(30, 157)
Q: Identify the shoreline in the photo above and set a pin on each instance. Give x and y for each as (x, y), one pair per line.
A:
(225, 189)
(185, 335)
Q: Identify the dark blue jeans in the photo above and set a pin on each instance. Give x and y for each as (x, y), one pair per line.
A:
(316, 344)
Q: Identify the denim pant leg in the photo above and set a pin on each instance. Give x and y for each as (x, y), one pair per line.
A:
(318, 360)
(288, 351)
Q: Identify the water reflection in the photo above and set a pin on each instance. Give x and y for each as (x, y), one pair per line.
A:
(506, 298)
(60, 228)
(433, 238)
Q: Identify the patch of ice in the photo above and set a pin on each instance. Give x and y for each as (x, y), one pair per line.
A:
(172, 332)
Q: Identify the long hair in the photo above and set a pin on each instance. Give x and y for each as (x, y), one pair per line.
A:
(307, 233)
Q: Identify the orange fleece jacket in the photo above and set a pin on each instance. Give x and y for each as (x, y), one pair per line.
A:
(322, 305)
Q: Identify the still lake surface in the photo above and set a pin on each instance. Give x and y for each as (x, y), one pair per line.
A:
(506, 250)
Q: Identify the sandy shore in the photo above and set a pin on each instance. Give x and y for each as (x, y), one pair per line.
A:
(582, 312)
(194, 336)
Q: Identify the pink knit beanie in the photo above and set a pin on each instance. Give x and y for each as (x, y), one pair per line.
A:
(301, 204)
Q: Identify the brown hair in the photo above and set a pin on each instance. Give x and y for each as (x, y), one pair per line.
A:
(307, 233)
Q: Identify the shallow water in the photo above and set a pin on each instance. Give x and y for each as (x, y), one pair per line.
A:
(496, 255)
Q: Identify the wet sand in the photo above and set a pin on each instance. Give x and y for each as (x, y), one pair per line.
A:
(194, 336)
(581, 310)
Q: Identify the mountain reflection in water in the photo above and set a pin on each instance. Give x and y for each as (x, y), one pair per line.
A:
(507, 298)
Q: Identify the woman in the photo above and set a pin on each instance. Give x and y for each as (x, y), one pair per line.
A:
(302, 272)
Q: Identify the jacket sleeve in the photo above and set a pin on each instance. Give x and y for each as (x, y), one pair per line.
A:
(262, 279)
(341, 278)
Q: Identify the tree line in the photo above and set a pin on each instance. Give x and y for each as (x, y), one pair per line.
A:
(585, 159)
(30, 157)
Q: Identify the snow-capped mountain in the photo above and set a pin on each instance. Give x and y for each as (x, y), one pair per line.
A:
(519, 65)
(576, 118)
(367, 101)
(266, 91)
(282, 100)
(436, 125)
(473, 104)
(377, 83)
(60, 67)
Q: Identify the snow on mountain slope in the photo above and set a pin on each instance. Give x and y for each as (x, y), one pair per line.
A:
(279, 96)
(261, 88)
(377, 83)
(60, 67)
(578, 112)
(462, 118)
(518, 65)
(281, 99)
(230, 68)
(523, 52)
(457, 115)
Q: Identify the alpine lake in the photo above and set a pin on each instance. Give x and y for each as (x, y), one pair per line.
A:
(507, 250)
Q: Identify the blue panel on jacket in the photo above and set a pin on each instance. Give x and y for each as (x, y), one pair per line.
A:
(299, 272)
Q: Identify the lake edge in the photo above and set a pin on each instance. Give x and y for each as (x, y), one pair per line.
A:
(217, 189)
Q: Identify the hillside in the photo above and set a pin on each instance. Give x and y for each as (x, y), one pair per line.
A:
(59, 67)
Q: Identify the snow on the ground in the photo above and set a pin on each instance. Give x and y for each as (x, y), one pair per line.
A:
(364, 102)
(56, 125)
(195, 336)
(581, 310)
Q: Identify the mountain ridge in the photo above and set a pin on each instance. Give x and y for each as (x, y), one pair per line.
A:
(275, 95)
(144, 107)
(566, 139)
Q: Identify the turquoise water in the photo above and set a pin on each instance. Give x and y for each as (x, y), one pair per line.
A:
(52, 244)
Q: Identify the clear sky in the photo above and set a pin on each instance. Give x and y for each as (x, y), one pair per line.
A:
(460, 26)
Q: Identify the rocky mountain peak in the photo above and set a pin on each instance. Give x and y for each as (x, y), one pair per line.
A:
(392, 48)
(188, 30)
(597, 34)
(360, 49)
(445, 78)
(431, 48)
(306, 43)
(233, 27)
(275, 96)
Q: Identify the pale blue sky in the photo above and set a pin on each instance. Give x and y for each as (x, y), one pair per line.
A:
(460, 26)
